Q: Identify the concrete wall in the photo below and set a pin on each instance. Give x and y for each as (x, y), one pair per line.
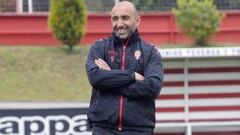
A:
(158, 28)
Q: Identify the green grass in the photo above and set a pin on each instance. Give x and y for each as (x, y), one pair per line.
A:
(46, 73)
(43, 74)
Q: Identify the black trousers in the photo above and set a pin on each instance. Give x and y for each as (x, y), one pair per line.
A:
(107, 131)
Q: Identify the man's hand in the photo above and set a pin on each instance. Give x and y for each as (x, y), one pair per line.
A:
(139, 77)
(102, 64)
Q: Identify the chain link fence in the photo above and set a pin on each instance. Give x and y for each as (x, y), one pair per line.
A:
(158, 5)
(8, 6)
(106, 5)
(167, 5)
(37, 5)
(228, 4)
(99, 5)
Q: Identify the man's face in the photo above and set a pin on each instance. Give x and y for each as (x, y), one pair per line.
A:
(124, 21)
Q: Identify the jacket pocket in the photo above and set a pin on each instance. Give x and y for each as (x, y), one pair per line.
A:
(139, 112)
(95, 101)
(136, 65)
(104, 107)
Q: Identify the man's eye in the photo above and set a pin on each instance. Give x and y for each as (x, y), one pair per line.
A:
(125, 17)
(114, 18)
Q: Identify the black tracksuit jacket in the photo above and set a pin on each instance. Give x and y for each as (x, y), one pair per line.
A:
(119, 101)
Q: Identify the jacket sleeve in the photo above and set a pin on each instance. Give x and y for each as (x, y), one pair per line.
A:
(104, 79)
(153, 79)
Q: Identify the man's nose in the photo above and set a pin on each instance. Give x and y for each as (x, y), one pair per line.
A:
(119, 23)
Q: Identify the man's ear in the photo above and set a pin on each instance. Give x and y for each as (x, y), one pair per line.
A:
(138, 19)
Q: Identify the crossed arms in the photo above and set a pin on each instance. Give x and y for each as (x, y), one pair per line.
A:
(103, 65)
(130, 83)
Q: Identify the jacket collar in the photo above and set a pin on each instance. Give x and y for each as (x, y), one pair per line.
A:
(133, 39)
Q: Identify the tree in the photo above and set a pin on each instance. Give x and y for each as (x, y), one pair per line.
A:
(198, 19)
(67, 21)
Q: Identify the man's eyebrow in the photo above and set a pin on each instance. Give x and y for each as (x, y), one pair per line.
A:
(122, 16)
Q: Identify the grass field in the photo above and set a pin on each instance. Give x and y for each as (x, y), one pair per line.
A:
(46, 73)
(43, 74)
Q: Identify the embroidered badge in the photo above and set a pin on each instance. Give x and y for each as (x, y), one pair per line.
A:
(112, 55)
(137, 54)
(112, 58)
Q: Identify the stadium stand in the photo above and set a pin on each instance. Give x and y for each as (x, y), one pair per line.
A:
(200, 96)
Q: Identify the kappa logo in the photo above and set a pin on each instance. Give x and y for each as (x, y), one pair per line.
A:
(50, 125)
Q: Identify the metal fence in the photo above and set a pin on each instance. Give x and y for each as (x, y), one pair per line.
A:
(228, 4)
(167, 5)
(21, 6)
(99, 5)
(37, 5)
(8, 6)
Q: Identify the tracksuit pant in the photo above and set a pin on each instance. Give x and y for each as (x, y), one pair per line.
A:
(107, 131)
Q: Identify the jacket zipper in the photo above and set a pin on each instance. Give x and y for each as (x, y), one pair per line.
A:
(121, 97)
(120, 113)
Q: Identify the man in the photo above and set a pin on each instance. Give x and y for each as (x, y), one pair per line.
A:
(126, 75)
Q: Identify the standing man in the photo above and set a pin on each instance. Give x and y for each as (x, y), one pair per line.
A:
(126, 74)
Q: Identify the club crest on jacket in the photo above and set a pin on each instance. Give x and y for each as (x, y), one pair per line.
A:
(137, 54)
(112, 55)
